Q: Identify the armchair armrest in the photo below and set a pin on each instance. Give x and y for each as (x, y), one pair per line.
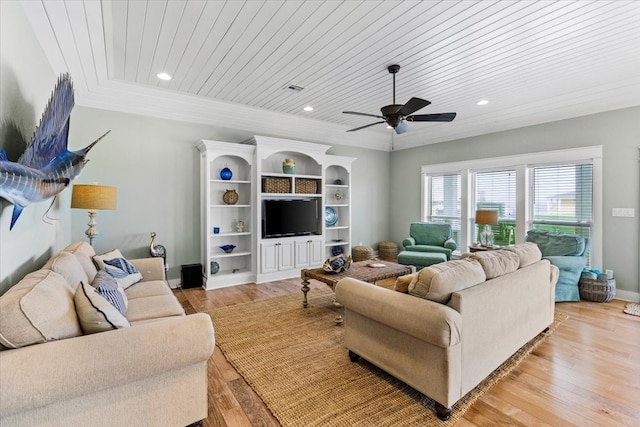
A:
(42, 374)
(150, 268)
(450, 244)
(409, 241)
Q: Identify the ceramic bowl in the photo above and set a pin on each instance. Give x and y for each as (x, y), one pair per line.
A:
(228, 248)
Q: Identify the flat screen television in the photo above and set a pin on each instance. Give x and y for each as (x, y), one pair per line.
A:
(290, 217)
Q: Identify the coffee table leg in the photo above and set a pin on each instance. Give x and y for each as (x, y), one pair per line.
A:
(339, 309)
(305, 288)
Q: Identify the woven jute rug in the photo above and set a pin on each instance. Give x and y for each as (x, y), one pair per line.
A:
(633, 309)
(295, 361)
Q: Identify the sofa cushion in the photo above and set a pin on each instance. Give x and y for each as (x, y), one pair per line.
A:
(439, 281)
(496, 263)
(108, 287)
(527, 252)
(116, 265)
(149, 288)
(95, 313)
(153, 307)
(38, 309)
(403, 282)
(84, 253)
(68, 266)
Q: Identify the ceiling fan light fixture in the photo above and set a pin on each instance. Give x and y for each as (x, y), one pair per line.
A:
(308, 108)
(163, 76)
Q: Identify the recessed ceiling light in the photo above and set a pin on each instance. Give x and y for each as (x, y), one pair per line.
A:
(483, 102)
(308, 108)
(163, 76)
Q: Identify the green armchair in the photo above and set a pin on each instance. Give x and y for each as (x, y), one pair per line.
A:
(430, 237)
(568, 253)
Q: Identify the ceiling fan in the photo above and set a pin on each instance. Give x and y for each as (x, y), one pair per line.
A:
(397, 116)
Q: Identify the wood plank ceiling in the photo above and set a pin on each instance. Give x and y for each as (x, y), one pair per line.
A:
(534, 61)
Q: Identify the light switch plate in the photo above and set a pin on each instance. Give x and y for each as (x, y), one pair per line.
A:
(624, 212)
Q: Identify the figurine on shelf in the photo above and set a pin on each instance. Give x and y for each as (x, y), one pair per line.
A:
(240, 226)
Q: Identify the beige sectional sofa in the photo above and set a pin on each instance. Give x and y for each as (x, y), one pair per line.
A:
(148, 367)
(447, 327)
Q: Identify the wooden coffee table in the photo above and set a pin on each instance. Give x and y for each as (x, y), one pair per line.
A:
(358, 270)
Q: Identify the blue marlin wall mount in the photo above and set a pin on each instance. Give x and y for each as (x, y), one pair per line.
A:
(46, 167)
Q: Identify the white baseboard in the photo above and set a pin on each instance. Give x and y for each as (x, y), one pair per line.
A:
(627, 296)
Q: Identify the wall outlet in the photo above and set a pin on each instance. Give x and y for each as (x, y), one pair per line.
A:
(624, 212)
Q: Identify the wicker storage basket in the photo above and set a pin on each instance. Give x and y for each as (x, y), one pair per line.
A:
(597, 290)
(306, 186)
(276, 185)
(361, 253)
(388, 250)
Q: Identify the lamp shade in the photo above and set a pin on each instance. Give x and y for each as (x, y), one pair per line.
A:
(93, 196)
(487, 217)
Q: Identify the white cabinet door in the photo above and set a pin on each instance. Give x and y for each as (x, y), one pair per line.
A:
(302, 253)
(285, 254)
(309, 252)
(269, 257)
(316, 253)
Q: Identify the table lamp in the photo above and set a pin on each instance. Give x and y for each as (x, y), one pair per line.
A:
(486, 218)
(93, 197)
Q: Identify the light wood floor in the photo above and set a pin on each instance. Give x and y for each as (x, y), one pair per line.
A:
(586, 374)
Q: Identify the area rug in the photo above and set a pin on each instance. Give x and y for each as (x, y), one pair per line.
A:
(295, 361)
(633, 309)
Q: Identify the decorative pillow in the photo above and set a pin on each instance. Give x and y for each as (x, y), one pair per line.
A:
(528, 252)
(117, 266)
(39, 308)
(84, 253)
(95, 313)
(107, 286)
(437, 282)
(496, 263)
(403, 282)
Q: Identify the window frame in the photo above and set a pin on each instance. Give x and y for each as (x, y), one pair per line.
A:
(522, 164)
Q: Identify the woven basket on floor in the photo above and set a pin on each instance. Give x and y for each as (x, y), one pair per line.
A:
(361, 253)
(388, 250)
(597, 290)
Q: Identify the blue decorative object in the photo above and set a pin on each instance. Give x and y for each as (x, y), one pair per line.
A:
(330, 216)
(288, 166)
(336, 250)
(338, 181)
(337, 264)
(226, 173)
(215, 267)
(46, 167)
(228, 248)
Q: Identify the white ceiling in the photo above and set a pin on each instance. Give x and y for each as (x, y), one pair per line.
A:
(535, 61)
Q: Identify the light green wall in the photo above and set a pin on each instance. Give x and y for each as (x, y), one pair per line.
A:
(26, 83)
(617, 131)
(155, 166)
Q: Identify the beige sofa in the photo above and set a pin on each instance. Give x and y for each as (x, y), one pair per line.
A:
(151, 371)
(458, 321)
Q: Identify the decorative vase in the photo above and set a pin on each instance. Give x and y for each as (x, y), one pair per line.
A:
(230, 197)
(215, 267)
(226, 173)
(288, 166)
(228, 248)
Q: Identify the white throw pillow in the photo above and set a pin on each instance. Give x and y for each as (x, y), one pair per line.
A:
(95, 313)
(117, 266)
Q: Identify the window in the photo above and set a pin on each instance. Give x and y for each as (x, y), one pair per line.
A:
(496, 190)
(562, 198)
(444, 202)
(557, 190)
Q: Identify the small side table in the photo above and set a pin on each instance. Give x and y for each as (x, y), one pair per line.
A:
(479, 248)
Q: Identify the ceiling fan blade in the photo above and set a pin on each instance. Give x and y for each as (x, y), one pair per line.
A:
(362, 114)
(441, 117)
(402, 127)
(413, 105)
(365, 126)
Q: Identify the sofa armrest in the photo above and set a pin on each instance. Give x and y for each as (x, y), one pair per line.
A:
(150, 268)
(426, 320)
(42, 374)
(409, 241)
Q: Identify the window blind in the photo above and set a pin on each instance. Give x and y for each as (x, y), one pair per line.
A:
(496, 190)
(444, 202)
